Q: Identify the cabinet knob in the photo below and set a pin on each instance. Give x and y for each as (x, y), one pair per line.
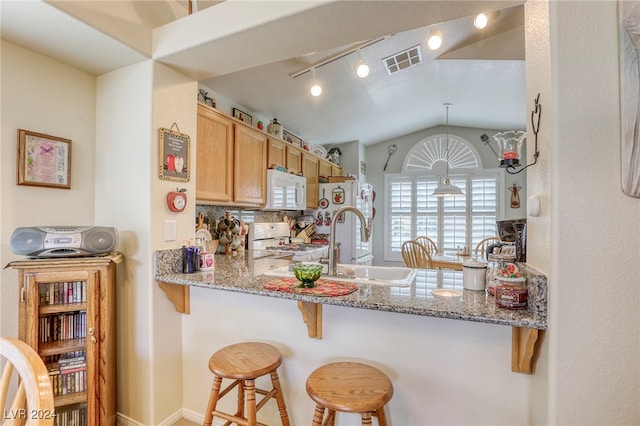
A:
(90, 331)
(93, 340)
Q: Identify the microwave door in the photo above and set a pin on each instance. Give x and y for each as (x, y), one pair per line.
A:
(301, 196)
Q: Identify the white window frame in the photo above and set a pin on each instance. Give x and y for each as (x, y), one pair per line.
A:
(390, 255)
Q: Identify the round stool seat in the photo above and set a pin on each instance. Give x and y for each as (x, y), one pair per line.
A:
(245, 360)
(349, 387)
(244, 363)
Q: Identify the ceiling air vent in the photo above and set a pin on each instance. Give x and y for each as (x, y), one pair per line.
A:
(402, 60)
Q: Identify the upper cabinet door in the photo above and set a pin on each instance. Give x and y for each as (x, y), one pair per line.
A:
(250, 157)
(294, 160)
(214, 153)
(310, 171)
(276, 153)
(324, 169)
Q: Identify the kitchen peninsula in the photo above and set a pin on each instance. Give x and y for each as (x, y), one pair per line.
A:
(244, 274)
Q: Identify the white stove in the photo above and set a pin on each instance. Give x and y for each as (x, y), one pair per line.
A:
(272, 239)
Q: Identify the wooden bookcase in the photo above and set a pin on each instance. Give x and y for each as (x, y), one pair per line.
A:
(67, 314)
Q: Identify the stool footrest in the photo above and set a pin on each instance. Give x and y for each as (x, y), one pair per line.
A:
(267, 396)
(229, 388)
(235, 419)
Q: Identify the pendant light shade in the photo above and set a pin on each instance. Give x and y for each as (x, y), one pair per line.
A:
(447, 189)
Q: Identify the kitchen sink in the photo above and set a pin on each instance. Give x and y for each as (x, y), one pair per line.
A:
(362, 274)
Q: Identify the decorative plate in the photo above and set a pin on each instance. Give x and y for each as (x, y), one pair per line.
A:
(319, 150)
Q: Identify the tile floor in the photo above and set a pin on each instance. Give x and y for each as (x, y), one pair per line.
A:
(183, 422)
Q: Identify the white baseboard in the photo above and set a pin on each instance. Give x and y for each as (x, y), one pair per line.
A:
(122, 420)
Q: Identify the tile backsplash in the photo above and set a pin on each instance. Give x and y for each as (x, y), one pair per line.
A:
(214, 213)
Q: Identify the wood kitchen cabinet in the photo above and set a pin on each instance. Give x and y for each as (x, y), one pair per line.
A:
(327, 168)
(294, 160)
(283, 154)
(249, 175)
(67, 311)
(214, 152)
(276, 153)
(324, 169)
(310, 165)
(231, 159)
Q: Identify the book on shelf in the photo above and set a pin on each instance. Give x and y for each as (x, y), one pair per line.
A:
(63, 293)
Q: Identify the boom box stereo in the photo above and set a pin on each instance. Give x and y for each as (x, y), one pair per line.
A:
(63, 241)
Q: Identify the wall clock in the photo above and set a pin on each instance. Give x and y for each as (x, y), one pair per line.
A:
(177, 200)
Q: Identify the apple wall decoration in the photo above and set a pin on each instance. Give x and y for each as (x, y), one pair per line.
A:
(177, 200)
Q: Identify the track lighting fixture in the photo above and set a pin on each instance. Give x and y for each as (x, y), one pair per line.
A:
(480, 21)
(316, 89)
(362, 69)
(435, 40)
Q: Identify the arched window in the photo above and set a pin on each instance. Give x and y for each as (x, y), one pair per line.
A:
(450, 221)
(426, 153)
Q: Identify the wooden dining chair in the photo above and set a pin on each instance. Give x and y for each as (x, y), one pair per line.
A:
(481, 248)
(416, 255)
(32, 403)
(430, 245)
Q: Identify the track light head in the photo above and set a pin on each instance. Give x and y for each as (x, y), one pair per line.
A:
(362, 69)
(435, 40)
(480, 21)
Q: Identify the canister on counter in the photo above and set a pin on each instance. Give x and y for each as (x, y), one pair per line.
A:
(511, 293)
(496, 262)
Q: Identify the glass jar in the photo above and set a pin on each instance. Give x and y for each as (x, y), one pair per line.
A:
(496, 262)
(511, 293)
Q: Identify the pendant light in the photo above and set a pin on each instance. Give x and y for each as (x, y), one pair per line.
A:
(447, 189)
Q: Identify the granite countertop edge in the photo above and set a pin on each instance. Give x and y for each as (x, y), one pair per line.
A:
(504, 317)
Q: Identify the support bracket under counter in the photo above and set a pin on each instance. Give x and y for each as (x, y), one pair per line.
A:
(179, 295)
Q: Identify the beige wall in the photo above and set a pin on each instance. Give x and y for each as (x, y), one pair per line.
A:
(44, 96)
(589, 369)
(593, 366)
(133, 103)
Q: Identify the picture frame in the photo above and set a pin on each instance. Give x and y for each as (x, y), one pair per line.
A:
(242, 116)
(287, 136)
(175, 158)
(43, 160)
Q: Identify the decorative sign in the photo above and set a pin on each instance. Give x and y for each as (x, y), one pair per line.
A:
(43, 160)
(174, 155)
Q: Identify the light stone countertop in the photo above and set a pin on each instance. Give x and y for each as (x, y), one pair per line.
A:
(243, 274)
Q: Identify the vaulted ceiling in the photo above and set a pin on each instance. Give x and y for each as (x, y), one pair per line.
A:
(247, 51)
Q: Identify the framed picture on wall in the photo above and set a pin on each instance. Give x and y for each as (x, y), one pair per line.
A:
(242, 116)
(174, 156)
(43, 160)
(291, 138)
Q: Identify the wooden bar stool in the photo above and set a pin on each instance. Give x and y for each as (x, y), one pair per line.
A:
(349, 387)
(243, 363)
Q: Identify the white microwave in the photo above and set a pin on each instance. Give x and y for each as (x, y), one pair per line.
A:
(286, 191)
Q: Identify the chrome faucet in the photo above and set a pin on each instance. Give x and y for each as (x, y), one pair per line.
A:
(365, 233)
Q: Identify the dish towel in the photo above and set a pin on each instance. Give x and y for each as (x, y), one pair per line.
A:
(325, 288)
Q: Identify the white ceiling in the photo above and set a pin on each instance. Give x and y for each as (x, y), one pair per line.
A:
(481, 74)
